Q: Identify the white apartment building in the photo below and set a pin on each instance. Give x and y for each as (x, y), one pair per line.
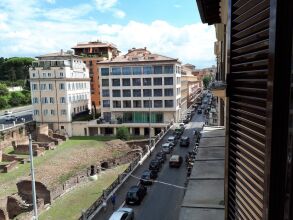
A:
(139, 88)
(60, 89)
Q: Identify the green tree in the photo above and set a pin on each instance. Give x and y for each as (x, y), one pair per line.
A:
(16, 99)
(122, 133)
(3, 90)
(206, 81)
(3, 103)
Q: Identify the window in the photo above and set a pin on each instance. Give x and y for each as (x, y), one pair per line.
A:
(158, 69)
(116, 70)
(126, 82)
(168, 81)
(147, 70)
(115, 82)
(52, 112)
(51, 100)
(50, 86)
(178, 91)
(168, 92)
(42, 86)
(61, 86)
(46, 111)
(126, 71)
(116, 104)
(158, 92)
(62, 100)
(34, 75)
(158, 103)
(63, 111)
(116, 93)
(136, 82)
(137, 104)
(44, 100)
(147, 93)
(136, 93)
(147, 103)
(168, 69)
(127, 104)
(35, 100)
(105, 82)
(105, 93)
(35, 86)
(126, 93)
(36, 112)
(106, 103)
(147, 81)
(169, 103)
(105, 71)
(136, 70)
(49, 74)
(158, 81)
(178, 80)
(44, 75)
(62, 75)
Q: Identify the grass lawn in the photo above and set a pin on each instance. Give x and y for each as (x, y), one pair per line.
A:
(71, 204)
(8, 180)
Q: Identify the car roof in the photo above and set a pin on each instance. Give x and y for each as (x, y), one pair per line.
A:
(118, 214)
(174, 158)
(166, 145)
(146, 172)
(133, 189)
(184, 137)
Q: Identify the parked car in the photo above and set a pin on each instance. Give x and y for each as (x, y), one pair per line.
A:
(184, 141)
(7, 112)
(10, 118)
(179, 131)
(123, 214)
(155, 165)
(199, 111)
(167, 148)
(135, 194)
(147, 177)
(172, 140)
(161, 156)
(175, 161)
(182, 126)
(186, 120)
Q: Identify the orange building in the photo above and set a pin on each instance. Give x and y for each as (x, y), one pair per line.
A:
(92, 53)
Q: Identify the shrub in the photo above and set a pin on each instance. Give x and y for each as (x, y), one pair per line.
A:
(122, 133)
(3, 89)
(3, 103)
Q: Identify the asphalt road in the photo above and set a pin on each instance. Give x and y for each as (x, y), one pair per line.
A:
(162, 201)
(26, 114)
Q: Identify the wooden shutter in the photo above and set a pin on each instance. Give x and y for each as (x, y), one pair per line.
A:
(247, 108)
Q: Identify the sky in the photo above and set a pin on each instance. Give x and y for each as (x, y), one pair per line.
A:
(168, 27)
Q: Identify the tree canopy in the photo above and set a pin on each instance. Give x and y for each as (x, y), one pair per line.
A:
(206, 81)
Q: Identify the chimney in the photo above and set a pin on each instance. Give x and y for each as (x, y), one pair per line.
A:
(61, 52)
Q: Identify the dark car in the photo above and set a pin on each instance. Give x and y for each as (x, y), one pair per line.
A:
(175, 161)
(186, 120)
(155, 165)
(172, 140)
(135, 194)
(147, 177)
(167, 148)
(199, 111)
(161, 156)
(184, 141)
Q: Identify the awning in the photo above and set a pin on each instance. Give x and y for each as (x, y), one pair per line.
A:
(209, 11)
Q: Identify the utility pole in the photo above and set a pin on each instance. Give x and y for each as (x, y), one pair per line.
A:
(35, 216)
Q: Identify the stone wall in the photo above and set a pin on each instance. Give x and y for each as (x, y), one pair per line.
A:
(16, 206)
(24, 188)
(3, 214)
(24, 149)
(13, 134)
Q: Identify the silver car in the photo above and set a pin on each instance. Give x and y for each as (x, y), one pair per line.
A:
(123, 214)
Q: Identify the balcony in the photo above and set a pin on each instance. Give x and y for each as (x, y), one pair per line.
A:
(218, 88)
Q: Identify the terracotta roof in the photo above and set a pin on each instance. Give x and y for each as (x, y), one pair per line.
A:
(58, 54)
(94, 44)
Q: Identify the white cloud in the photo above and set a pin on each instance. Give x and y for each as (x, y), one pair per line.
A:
(28, 32)
(177, 6)
(119, 14)
(190, 43)
(103, 5)
(51, 1)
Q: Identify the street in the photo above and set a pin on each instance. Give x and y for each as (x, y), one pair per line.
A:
(163, 198)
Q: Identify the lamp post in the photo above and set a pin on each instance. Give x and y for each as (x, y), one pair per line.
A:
(35, 216)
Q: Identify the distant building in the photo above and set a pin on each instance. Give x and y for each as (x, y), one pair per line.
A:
(137, 85)
(91, 53)
(191, 87)
(60, 89)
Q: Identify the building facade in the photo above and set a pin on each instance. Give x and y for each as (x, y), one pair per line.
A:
(60, 89)
(191, 87)
(91, 53)
(255, 60)
(139, 88)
